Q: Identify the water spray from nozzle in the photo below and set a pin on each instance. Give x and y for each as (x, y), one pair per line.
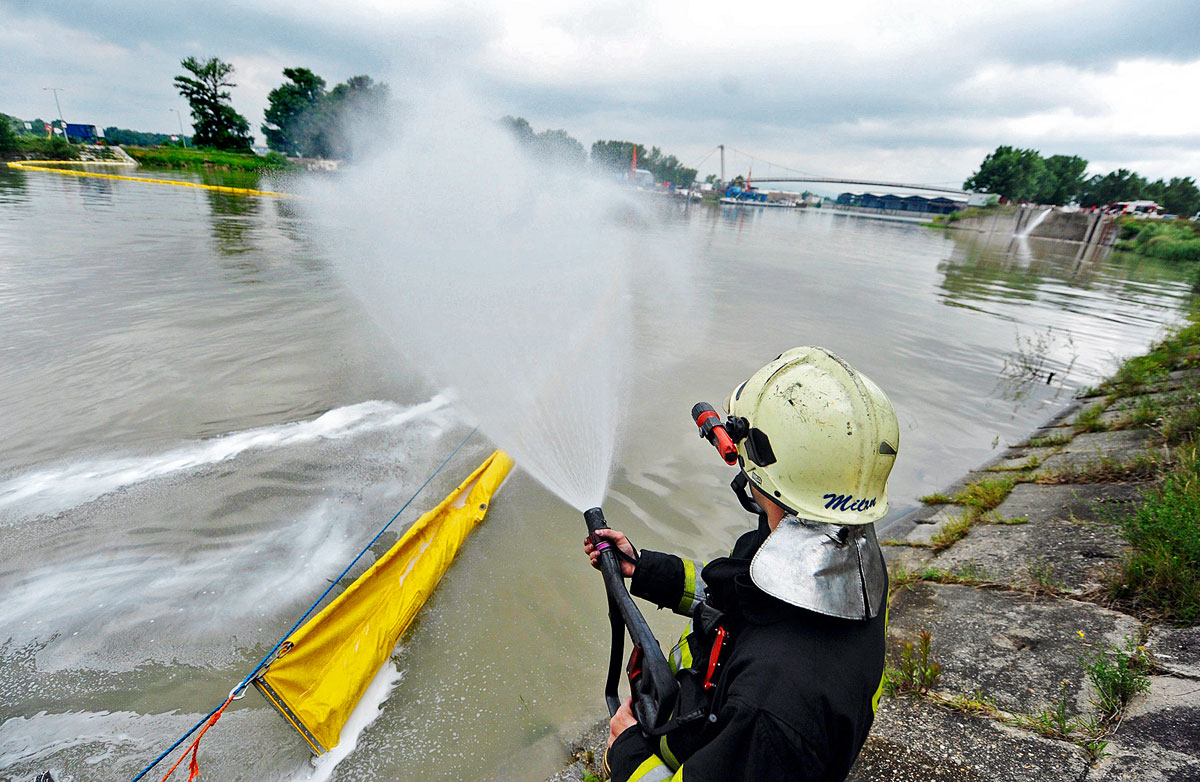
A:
(723, 436)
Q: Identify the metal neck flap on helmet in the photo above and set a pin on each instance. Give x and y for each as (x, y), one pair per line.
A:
(830, 569)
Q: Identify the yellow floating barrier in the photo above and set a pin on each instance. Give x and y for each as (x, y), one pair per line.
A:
(323, 669)
(41, 165)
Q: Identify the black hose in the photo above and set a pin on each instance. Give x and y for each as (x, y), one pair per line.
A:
(655, 691)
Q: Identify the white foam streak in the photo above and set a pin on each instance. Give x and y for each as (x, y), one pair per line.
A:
(53, 490)
(364, 714)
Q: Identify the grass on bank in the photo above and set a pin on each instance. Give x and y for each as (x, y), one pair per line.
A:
(943, 221)
(1161, 573)
(1170, 240)
(194, 158)
(42, 148)
(1180, 350)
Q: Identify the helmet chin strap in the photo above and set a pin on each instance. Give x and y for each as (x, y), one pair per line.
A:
(741, 490)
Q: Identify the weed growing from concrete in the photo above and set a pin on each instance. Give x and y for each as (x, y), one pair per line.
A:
(975, 703)
(1042, 579)
(1055, 721)
(1136, 373)
(1118, 674)
(917, 673)
(953, 531)
(936, 499)
(987, 493)
(1095, 748)
(969, 573)
(1108, 470)
(1161, 572)
(1050, 440)
(1089, 420)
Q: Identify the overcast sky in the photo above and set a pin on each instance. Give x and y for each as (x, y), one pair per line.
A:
(917, 92)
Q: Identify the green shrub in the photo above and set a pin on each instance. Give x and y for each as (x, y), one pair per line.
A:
(1161, 572)
(1118, 674)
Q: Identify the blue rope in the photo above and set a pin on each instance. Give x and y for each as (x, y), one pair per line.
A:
(263, 662)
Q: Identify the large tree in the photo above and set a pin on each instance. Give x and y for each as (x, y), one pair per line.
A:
(8, 137)
(1119, 185)
(353, 115)
(1014, 173)
(1182, 197)
(214, 119)
(1062, 182)
(616, 156)
(289, 119)
(667, 168)
(556, 147)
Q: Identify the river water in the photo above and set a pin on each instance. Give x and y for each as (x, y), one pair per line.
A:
(201, 428)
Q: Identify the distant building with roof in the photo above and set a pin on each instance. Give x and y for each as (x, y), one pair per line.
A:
(892, 203)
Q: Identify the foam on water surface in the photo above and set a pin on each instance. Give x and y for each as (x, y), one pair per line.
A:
(51, 490)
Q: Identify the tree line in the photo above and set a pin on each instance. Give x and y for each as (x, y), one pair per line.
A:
(302, 118)
(1024, 175)
(612, 157)
(305, 119)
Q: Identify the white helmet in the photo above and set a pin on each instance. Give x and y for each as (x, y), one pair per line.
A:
(821, 438)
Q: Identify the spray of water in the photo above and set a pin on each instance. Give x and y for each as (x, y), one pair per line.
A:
(505, 280)
(1033, 223)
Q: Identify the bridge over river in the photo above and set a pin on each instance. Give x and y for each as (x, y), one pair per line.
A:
(867, 182)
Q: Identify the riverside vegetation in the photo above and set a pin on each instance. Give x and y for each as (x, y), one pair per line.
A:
(1090, 594)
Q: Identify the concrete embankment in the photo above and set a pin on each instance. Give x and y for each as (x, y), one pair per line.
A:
(1090, 228)
(1016, 651)
(1014, 573)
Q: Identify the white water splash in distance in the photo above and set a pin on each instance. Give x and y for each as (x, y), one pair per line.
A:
(506, 280)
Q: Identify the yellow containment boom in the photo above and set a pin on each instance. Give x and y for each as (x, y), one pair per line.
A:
(323, 669)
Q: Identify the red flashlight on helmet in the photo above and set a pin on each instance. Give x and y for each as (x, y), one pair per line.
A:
(715, 431)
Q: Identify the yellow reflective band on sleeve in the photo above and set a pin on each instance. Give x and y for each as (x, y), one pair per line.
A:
(667, 754)
(689, 588)
(879, 689)
(651, 770)
(693, 587)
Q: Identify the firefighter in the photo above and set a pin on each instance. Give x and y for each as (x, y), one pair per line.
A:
(780, 667)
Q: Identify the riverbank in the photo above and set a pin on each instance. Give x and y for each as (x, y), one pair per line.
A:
(1171, 240)
(1044, 608)
(206, 159)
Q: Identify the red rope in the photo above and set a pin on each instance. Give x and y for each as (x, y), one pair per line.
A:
(194, 748)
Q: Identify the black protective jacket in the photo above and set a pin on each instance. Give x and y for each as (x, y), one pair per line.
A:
(794, 692)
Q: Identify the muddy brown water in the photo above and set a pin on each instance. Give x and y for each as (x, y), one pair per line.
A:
(200, 428)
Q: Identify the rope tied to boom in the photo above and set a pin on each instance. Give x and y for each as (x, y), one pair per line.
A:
(211, 718)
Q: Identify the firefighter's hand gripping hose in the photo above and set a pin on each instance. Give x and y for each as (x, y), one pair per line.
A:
(211, 718)
(653, 687)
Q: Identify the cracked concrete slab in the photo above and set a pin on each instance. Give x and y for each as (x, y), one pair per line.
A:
(1020, 458)
(1012, 648)
(908, 559)
(1159, 737)
(1087, 408)
(1157, 398)
(1084, 502)
(926, 526)
(1128, 764)
(1176, 649)
(1087, 450)
(913, 741)
(1055, 556)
